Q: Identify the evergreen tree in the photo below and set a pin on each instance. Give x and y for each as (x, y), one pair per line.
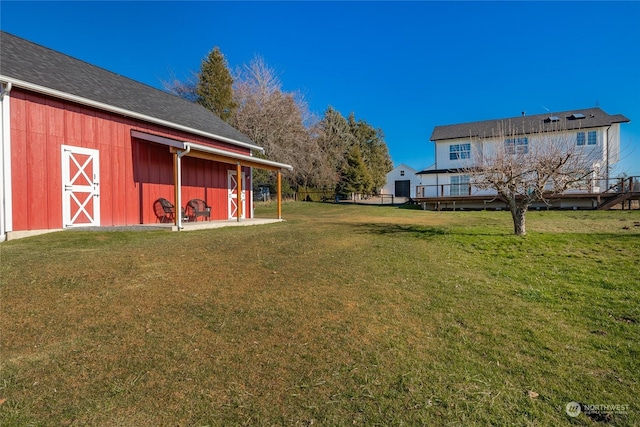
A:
(374, 151)
(334, 140)
(355, 176)
(214, 89)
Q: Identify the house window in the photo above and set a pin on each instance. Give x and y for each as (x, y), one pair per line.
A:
(580, 138)
(459, 151)
(592, 138)
(401, 173)
(459, 185)
(516, 145)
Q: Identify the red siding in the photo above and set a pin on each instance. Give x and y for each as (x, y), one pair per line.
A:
(133, 173)
(56, 138)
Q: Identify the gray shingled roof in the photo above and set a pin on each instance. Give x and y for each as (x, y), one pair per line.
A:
(520, 125)
(29, 62)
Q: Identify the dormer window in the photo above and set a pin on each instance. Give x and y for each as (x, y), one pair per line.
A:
(576, 116)
(552, 119)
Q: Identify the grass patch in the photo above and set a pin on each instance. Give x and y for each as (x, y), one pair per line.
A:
(342, 315)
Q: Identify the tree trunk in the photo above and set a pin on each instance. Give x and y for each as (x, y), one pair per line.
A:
(519, 220)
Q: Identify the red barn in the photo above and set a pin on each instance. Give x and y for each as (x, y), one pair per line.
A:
(82, 146)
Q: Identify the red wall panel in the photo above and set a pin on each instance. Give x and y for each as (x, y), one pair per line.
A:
(55, 138)
(88, 124)
(72, 125)
(37, 195)
(54, 181)
(37, 118)
(19, 181)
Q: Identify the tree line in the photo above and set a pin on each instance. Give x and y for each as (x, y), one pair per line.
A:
(341, 154)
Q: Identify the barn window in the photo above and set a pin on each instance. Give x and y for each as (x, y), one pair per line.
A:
(401, 173)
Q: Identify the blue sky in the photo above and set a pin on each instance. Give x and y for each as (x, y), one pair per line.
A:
(404, 67)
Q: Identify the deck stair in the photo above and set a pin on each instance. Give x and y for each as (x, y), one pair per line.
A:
(620, 198)
(625, 189)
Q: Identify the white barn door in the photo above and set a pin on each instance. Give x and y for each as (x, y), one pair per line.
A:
(233, 194)
(80, 187)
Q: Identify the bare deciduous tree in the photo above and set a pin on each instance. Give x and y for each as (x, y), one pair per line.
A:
(185, 89)
(526, 169)
(283, 125)
(274, 119)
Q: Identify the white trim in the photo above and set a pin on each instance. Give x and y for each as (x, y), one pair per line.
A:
(92, 187)
(400, 166)
(6, 196)
(122, 111)
(237, 156)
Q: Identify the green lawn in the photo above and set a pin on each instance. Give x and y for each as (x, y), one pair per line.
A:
(342, 315)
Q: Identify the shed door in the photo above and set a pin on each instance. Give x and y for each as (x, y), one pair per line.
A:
(403, 188)
(80, 187)
(233, 194)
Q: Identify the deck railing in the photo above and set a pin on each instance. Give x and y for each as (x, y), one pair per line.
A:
(624, 185)
(449, 190)
(614, 185)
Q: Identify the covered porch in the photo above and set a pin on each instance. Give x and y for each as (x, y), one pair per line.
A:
(240, 191)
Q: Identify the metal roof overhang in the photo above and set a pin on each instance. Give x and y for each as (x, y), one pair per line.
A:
(215, 154)
(210, 153)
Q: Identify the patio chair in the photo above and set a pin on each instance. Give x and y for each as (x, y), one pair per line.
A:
(165, 211)
(197, 208)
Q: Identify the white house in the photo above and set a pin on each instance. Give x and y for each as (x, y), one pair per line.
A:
(402, 181)
(457, 147)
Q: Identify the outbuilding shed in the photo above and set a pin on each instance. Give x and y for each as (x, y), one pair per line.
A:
(401, 182)
(82, 146)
